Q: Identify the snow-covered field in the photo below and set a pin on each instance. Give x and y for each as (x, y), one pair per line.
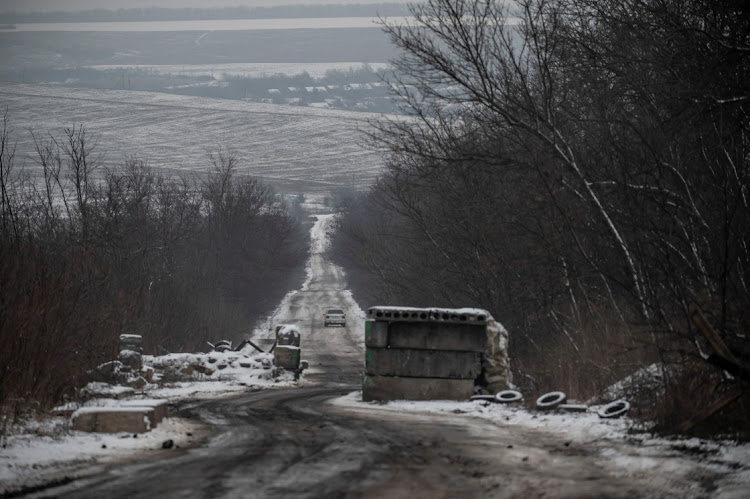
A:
(245, 70)
(297, 149)
(211, 25)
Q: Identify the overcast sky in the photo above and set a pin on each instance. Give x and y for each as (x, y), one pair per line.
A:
(71, 5)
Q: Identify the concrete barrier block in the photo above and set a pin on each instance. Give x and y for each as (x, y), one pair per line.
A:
(131, 342)
(376, 334)
(444, 315)
(401, 388)
(438, 336)
(422, 363)
(159, 406)
(287, 335)
(286, 356)
(113, 419)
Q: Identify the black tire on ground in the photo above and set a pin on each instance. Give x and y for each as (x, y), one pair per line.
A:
(550, 400)
(508, 396)
(614, 409)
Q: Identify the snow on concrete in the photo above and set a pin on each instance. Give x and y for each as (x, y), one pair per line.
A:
(232, 372)
(99, 389)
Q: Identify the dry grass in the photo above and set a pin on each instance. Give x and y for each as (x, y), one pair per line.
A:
(584, 361)
(49, 333)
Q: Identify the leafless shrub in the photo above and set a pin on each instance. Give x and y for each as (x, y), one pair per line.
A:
(576, 163)
(87, 254)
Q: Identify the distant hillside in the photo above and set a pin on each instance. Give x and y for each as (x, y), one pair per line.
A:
(192, 14)
(295, 149)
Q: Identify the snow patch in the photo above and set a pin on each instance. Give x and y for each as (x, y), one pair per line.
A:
(618, 445)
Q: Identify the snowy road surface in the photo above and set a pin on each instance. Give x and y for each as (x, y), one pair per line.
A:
(319, 440)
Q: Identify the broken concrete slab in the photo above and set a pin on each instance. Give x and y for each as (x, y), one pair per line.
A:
(105, 390)
(200, 368)
(402, 388)
(160, 408)
(113, 419)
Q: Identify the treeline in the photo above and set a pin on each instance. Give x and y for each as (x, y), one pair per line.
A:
(584, 175)
(88, 253)
(369, 95)
(217, 13)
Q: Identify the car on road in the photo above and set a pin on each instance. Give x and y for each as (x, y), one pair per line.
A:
(335, 317)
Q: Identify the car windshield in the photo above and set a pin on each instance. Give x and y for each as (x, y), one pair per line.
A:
(335, 311)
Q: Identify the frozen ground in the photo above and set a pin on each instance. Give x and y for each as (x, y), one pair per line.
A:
(49, 450)
(624, 451)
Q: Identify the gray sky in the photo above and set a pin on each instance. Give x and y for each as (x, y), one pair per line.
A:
(72, 5)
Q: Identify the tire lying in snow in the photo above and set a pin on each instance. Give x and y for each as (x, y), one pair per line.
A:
(550, 400)
(508, 396)
(614, 409)
(222, 346)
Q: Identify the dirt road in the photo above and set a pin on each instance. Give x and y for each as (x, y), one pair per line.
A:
(293, 443)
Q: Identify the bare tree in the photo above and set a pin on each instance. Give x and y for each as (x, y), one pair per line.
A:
(8, 223)
(608, 143)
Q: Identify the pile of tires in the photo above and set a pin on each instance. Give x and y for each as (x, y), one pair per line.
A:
(555, 401)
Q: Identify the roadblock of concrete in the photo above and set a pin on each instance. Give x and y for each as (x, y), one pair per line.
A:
(286, 356)
(160, 407)
(287, 334)
(376, 334)
(423, 363)
(434, 336)
(432, 353)
(403, 388)
(113, 419)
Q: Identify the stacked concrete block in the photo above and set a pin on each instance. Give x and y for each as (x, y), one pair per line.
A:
(131, 351)
(287, 351)
(425, 354)
(160, 408)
